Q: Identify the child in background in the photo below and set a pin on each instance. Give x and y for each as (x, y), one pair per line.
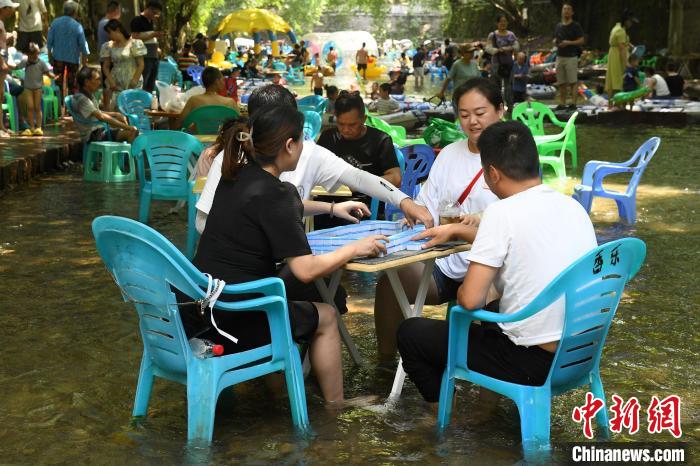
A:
(231, 83)
(317, 81)
(630, 80)
(332, 95)
(34, 71)
(385, 104)
(374, 92)
(520, 70)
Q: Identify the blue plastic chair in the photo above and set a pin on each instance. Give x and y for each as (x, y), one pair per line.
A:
(595, 171)
(419, 160)
(195, 72)
(78, 119)
(374, 204)
(312, 125)
(133, 103)
(170, 156)
(317, 102)
(145, 266)
(592, 287)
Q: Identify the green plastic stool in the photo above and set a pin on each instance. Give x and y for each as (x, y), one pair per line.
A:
(105, 162)
(50, 104)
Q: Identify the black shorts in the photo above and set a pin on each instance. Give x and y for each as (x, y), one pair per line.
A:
(102, 134)
(361, 66)
(24, 38)
(423, 346)
(249, 327)
(318, 91)
(446, 286)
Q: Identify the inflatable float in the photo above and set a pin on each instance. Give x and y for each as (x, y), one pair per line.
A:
(622, 98)
(541, 91)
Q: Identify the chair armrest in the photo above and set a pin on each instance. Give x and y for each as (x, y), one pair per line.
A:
(592, 166)
(601, 171)
(488, 316)
(271, 286)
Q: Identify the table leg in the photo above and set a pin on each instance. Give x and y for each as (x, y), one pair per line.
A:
(408, 311)
(327, 292)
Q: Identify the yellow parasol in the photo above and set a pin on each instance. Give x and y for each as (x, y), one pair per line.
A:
(252, 20)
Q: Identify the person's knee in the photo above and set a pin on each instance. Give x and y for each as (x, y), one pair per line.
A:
(327, 317)
(408, 332)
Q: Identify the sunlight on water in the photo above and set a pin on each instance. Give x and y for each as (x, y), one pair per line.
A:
(72, 349)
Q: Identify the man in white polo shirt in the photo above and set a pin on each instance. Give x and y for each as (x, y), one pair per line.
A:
(523, 241)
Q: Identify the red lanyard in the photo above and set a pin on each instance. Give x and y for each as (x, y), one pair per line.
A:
(468, 190)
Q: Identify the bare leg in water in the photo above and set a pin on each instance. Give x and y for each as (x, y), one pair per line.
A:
(387, 312)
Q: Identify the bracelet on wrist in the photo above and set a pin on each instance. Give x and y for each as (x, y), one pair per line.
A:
(331, 212)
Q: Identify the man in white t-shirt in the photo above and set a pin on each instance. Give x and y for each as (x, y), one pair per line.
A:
(33, 22)
(521, 244)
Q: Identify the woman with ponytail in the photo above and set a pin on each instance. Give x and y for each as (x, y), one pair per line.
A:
(255, 223)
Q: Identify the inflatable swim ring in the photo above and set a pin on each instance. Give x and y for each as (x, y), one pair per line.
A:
(631, 96)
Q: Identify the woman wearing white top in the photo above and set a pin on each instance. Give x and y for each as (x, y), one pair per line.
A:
(478, 104)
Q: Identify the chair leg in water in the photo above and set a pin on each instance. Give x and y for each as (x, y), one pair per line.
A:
(602, 414)
(534, 406)
(144, 387)
(201, 403)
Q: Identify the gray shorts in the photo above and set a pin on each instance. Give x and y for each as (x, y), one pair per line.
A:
(567, 70)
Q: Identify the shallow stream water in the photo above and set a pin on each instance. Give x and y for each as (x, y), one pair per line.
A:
(71, 348)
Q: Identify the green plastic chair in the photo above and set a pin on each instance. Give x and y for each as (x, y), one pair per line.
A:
(441, 132)
(208, 119)
(109, 162)
(533, 114)
(10, 106)
(557, 162)
(50, 104)
(397, 133)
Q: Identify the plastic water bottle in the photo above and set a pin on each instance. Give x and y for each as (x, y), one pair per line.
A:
(205, 348)
(154, 101)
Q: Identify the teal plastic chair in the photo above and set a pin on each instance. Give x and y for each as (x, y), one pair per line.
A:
(312, 125)
(49, 104)
(374, 204)
(533, 115)
(208, 119)
(314, 102)
(77, 118)
(133, 104)
(169, 73)
(557, 162)
(592, 287)
(595, 171)
(146, 268)
(170, 156)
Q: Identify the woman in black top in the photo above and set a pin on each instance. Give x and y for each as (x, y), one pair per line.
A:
(256, 222)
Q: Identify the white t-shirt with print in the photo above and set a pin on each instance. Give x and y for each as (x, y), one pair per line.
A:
(453, 170)
(532, 237)
(317, 166)
(30, 12)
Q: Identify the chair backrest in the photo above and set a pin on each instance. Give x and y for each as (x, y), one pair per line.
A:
(417, 160)
(315, 101)
(195, 72)
(209, 119)
(312, 124)
(382, 125)
(167, 72)
(569, 132)
(169, 155)
(643, 155)
(532, 114)
(145, 265)
(133, 103)
(592, 287)
(77, 118)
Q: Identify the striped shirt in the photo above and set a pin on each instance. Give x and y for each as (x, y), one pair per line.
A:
(387, 105)
(185, 61)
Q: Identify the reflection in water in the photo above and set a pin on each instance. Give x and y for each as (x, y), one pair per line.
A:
(72, 349)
